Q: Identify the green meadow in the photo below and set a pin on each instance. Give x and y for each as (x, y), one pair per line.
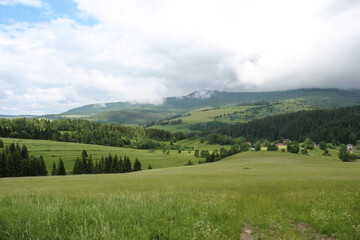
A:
(234, 114)
(68, 152)
(251, 195)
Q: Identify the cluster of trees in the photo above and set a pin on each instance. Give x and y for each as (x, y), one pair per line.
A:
(345, 155)
(293, 147)
(217, 155)
(59, 169)
(109, 164)
(339, 125)
(82, 131)
(15, 161)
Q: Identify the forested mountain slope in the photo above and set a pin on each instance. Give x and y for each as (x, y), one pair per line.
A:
(341, 124)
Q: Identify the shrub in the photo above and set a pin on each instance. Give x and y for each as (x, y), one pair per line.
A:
(326, 153)
(344, 154)
(272, 147)
(304, 151)
(293, 147)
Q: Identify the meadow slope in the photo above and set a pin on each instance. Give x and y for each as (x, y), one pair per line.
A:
(68, 152)
(275, 195)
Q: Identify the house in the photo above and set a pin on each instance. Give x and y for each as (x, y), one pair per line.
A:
(350, 147)
(285, 141)
(280, 144)
(249, 143)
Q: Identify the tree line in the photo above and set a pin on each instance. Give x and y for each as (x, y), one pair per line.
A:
(335, 125)
(15, 161)
(108, 164)
(82, 131)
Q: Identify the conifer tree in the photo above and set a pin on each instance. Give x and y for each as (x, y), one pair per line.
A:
(137, 165)
(54, 170)
(61, 168)
(121, 165)
(149, 167)
(90, 165)
(77, 166)
(114, 165)
(127, 164)
(84, 154)
(1, 144)
(43, 170)
(3, 169)
(108, 164)
(24, 152)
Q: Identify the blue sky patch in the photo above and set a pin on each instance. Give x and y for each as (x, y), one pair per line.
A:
(52, 9)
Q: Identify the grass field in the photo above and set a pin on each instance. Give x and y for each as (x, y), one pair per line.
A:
(271, 195)
(68, 152)
(234, 114)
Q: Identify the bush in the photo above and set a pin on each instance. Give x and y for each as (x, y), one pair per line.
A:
(326, 153)
(257, 146)
(272, 147)
(148, 144)
(304, 151)
(344, 154)
(293, 147)
(322, 145)
(308, 144)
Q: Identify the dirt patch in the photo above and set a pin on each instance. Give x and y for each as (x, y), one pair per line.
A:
(310, 232)
(248, 233)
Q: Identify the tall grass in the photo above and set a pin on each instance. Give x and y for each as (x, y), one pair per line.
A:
(272, 191)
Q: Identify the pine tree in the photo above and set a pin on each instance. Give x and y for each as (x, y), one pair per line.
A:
(84, 154)
(149, 167)
(114, 165)
(108, 164)
(90, 166)
(43, 170)
(3, 169)
(121, 165)
(77, 166)
(24, 152)
(127, 164)
(137, 165)
(61, 168)
(54, 170)
(1, 143)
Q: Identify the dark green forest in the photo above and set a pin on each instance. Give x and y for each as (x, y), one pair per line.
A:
(109, 164)
(15, 161)
(81, 131)
(336, 125)
(340, 125)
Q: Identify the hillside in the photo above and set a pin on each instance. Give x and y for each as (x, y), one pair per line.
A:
(198, 120)
(329, 125)
(130, 113)
(68, 152)
(267, 195)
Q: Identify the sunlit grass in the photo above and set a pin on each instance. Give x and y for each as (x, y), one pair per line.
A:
(272, 191)
(68, 152)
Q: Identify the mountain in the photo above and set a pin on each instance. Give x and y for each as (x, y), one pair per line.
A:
(136, 113)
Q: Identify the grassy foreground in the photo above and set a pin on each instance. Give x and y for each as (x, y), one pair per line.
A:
(68, 152)
(275, 195)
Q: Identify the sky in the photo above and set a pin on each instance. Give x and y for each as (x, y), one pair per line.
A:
(57, 55)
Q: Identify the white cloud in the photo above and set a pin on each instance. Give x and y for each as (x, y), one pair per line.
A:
(142, 51)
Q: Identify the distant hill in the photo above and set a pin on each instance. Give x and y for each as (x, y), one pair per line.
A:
(135, 113)
(339, 125)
